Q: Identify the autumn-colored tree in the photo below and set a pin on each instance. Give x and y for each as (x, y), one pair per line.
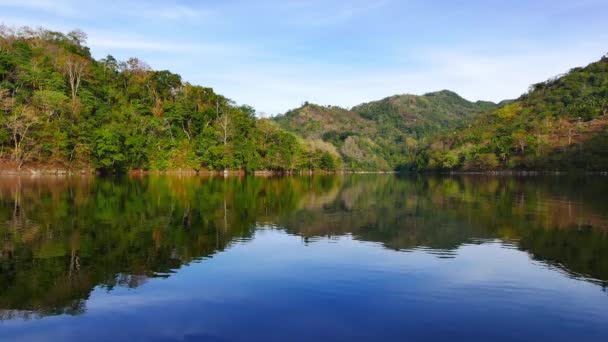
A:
(20, 124)
(74, 68)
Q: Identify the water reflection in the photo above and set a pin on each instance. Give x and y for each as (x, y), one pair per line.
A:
(63, 237)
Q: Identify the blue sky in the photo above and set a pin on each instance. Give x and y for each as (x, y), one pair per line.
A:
(274, 55)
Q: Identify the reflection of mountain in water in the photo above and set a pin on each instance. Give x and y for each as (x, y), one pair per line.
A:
(61, 238)
(558, 220)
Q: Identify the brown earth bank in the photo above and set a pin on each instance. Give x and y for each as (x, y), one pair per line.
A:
(9, 167)
(261, 173)
(523, 172)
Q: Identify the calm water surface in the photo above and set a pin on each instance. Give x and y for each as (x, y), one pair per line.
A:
(366, 257)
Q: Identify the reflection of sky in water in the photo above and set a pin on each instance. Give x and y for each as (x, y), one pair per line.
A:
(276, 287)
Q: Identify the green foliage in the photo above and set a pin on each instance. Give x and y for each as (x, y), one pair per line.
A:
(382, 135)
(108, 149)
(119, 115)
(560, 124)
(71, 236)
(124, 115)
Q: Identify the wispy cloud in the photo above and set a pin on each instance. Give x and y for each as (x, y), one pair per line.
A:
(314, 13)
(275, 54)
(160, 10)
(103, 41)
(63, 8)
(175, 12)
(475, 76)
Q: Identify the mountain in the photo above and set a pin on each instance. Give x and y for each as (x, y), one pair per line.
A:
(380, 135)
(560, 124)
(61, 109)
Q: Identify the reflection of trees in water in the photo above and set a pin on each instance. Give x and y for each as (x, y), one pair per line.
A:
(62, 237)
(74, 234)
(556, 219)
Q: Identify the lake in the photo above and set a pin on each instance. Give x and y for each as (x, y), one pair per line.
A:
(336, 257)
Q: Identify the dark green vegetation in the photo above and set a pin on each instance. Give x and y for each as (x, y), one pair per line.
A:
(63, 237)
(560, 124)
(62, 109)
(382, 135)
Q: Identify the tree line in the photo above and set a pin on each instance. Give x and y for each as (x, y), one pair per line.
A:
(560, 124)
(62, 108)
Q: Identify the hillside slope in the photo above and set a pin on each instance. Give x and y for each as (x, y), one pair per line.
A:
(62, 110)
(560, 124)
(380, 135)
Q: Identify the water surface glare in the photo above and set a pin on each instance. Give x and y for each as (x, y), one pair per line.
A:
(353, 257)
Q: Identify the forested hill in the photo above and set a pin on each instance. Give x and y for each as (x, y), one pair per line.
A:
(62, 109)
(384, 134)
(560, 124)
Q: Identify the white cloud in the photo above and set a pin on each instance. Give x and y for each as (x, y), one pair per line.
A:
(175, 12)
(162, 10)
(63, 8)
(276, 88)
(324, 13)
(100, 42)
(108, 41)
(277, 64)
(82, 9)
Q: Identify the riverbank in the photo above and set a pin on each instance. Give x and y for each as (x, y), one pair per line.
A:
(12, 168)
(261, 173)
(525, 173)
(8, 167)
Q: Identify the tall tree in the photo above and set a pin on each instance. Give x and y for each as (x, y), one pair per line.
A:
(74, 67)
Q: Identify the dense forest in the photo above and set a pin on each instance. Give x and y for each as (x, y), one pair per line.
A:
(380, 135)
(62, 109)
(560, 124)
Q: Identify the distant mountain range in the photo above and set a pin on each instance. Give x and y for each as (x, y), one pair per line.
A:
(560, 124)
(62, 110)
(379, 135)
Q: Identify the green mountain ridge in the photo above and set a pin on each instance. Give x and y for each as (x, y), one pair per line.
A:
(559, 124)
(379, 135)
(62, 109)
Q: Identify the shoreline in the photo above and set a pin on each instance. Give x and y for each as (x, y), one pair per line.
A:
(267, 173)
(525, 173)
(36, 169)
(67, 172)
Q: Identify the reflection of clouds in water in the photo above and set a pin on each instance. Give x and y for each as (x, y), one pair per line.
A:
(115, 301)
(157, 226)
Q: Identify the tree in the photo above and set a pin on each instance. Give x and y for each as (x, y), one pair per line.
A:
(110, 64)
(20, 123)
(78, 36)
(224, 122)
(327, 162)
(109, 149)
(520, 140)
(74, 68)
(50, 102)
